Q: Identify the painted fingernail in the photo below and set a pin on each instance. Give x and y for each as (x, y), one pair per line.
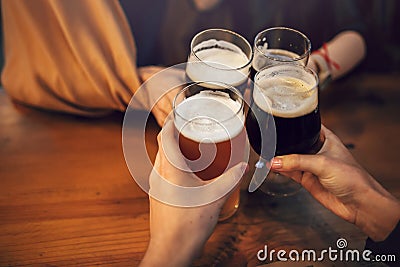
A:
(276, 163)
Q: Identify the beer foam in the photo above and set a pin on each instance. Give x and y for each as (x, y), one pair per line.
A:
(220, 61)
(286, 96)
(264, 57)
(209, 117)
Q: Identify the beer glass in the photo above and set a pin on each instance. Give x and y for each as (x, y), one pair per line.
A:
(289, 94)
(280, 45)
(220, 55)
(210, 128)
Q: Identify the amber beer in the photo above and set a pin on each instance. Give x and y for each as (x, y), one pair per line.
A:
(289, 94)
(221, 151)
(210, 127)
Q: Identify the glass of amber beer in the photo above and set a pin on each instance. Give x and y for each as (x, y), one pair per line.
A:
(210, 127)
(288, 93)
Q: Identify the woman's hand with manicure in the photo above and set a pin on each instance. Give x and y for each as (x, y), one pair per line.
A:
(337, 181)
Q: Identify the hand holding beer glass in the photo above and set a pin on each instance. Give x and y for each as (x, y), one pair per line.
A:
(288, 93)
(210, 128)
(274, 46)
(225, 57)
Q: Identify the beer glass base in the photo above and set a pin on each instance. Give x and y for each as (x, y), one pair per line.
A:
(231, 205)
(278, 185)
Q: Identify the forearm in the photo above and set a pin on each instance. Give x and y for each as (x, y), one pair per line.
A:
(346, 50)
(338, 56)
(378, 214)
(168, 254)
(70, 62)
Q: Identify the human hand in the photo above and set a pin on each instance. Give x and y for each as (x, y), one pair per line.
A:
(178, 234)
(337, 181)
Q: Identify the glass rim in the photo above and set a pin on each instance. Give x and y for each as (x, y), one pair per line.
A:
(225, 85)
(294, 66)
(250, 59)
(302, 56)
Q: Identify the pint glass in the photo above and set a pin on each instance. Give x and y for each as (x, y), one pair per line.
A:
(280, 45)
(210, 129)
(220, 55)
(288, 93)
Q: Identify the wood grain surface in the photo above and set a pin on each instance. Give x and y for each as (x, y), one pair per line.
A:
(68, 199)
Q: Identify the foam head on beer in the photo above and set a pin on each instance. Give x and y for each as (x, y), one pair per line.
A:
(211, 132)
(209, 116)
(264, 56)
(290, 94)
(218, 60)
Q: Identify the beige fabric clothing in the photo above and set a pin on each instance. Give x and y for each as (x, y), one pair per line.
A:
(75, 56)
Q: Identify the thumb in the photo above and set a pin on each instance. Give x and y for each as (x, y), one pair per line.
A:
(315, 164)
(224, 183)
(235, 173)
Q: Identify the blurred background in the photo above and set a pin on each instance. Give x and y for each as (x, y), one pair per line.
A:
(163, 28)
(68, 198)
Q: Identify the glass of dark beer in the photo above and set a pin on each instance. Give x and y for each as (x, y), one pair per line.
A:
(288, 93)
(280, 45)
(220, 55)
(210, 127)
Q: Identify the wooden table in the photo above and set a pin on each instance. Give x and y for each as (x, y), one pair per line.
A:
(67, 197)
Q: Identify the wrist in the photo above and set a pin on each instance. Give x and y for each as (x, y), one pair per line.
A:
(378, 213)
(168, 253)
(172, 248)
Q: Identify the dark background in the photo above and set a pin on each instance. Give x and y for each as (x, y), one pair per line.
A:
(171, 24)
(163, 29)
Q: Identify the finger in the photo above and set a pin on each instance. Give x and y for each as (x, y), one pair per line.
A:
(165, 103)
(169, 147)
(295, 175)
(162, 109)
(235, 173)
(167, 141)
(311, 183)
(325, 130)
(227, 181)
(334, 148)
(166, 131)
(160, 116)
(316, 164)
(329, 135)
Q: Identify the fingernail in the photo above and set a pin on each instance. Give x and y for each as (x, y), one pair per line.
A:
(276, 163)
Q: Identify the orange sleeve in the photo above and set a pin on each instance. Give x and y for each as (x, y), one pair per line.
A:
(75, 56)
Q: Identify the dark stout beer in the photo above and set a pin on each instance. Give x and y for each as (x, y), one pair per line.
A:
(289, 95)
